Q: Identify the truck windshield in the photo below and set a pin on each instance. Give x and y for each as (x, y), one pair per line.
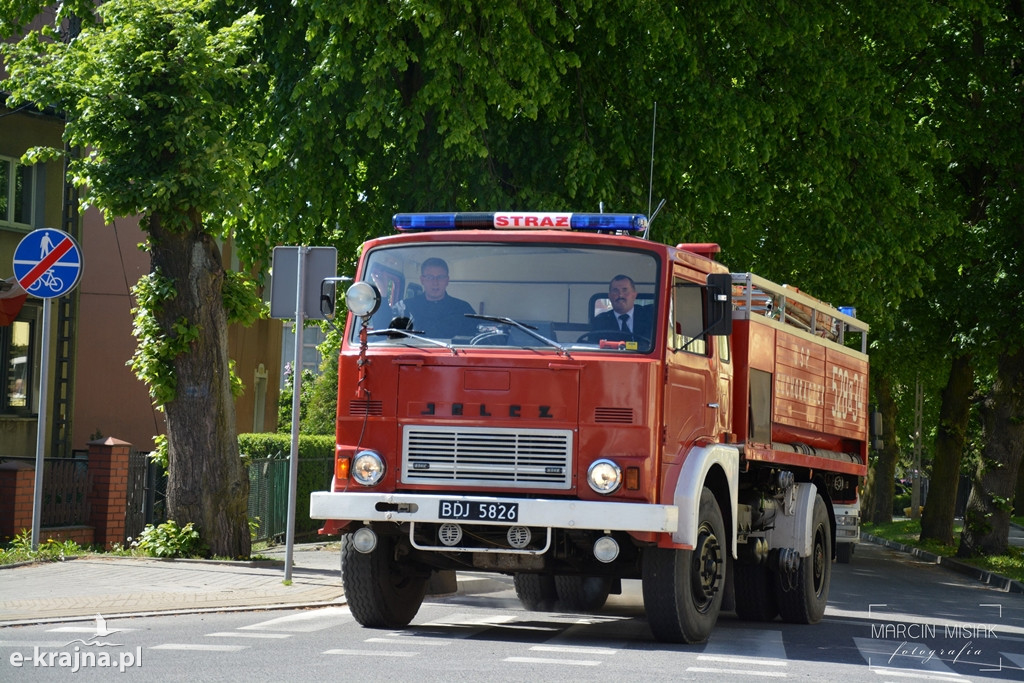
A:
(530, 296)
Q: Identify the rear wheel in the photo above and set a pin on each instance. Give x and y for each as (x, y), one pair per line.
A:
(755, 592)
(381, 591)
(683, 589)
(582, 593)
(803, 594)
(844, 552)
(536, 592)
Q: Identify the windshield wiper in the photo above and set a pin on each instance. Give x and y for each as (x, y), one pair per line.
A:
(415, 334)
(528, 329)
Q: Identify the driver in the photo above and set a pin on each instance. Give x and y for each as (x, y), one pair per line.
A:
(433, 310)
(635, 321)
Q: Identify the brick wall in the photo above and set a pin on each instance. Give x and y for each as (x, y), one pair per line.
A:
(108, 498)
(17, 483)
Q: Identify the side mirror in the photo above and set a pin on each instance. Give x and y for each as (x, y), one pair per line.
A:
(718, 304)
(329, 295)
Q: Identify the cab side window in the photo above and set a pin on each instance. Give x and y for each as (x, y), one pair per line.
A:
(688, 318)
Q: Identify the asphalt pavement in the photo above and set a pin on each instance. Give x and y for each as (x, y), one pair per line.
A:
(85, 587)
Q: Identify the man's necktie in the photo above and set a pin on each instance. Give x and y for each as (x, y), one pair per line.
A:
(623, 320)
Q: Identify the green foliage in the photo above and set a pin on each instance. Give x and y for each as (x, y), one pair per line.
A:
(320, 412)
(316, 466)
(170, 540)
(153, 360)
(20, 550)
(159, 453)
(157, 92)
(241, 300)
(270, 445)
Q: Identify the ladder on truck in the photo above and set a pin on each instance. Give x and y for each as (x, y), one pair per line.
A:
(754, 296)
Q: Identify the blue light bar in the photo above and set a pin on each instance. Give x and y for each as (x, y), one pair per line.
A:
(523, 220)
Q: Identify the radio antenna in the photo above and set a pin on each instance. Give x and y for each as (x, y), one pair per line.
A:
(650, 186)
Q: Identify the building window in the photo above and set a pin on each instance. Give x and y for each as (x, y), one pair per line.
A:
(17, 189)
(17, 364)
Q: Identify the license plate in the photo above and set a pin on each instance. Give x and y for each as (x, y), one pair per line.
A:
(478, 512)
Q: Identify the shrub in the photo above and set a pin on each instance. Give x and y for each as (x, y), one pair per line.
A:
(170, 540)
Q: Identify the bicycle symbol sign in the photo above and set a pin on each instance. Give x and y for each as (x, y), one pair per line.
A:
(47, 263)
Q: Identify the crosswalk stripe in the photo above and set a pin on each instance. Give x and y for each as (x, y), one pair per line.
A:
(199, 647)
(559, 662)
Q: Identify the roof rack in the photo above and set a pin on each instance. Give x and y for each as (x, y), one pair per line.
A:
(754, 296)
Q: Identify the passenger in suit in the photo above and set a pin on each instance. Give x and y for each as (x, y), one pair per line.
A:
(635, 321)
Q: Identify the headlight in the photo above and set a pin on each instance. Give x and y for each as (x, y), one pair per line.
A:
(604, 476)
(363, 299)
(367, 468)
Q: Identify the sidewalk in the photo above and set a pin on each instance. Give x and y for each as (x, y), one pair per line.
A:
(83, 587)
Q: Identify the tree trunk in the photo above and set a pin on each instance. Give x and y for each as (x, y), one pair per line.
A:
(987, 520)
(206, 484)
(879, 486)
(937, 521)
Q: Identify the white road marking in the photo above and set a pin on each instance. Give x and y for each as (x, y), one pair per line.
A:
(199, 647)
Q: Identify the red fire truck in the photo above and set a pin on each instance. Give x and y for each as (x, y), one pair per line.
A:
(496, 414)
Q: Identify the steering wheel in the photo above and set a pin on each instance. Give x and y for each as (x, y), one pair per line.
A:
(495, 337)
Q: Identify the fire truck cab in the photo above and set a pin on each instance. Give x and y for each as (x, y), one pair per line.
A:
(496, 413)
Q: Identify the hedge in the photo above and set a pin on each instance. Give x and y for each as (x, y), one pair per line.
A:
(316, 466)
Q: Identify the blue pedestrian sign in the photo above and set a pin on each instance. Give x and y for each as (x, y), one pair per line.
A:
(47, 263)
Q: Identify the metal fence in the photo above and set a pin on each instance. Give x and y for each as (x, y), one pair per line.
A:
(268, 494)
(147, 494)
(66, 483)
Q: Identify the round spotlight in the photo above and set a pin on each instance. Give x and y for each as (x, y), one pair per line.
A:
(364, 539)
(518, 537)
(363, 299)
(604, 476)
(367, 468)
(606, 549)
(450, 534)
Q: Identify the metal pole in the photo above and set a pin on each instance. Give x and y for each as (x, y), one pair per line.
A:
(915, 490)
(44, 380)
(293, 476)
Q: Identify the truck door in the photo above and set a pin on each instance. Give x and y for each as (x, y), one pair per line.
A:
(691, 396)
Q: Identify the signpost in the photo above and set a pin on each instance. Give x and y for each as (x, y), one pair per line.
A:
(48, 264)
(295, 291)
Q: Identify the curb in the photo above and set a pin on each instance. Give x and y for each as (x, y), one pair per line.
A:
(997, 581)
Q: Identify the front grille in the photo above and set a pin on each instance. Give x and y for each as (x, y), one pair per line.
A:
(478, 456)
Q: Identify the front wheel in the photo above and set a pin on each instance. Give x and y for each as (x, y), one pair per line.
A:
(381, 591)
(683, 589)
(803, 594)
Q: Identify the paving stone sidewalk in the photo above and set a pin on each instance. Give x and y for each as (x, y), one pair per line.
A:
(120, 586)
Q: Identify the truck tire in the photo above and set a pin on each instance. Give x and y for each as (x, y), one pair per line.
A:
(683, 589)
(755, 592)
(803, 594)
(582, 593)
(379, 593)
(844, 552)
(536, 592)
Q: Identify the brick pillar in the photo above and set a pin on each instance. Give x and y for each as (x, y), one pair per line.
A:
(108, 467)
(17, 486)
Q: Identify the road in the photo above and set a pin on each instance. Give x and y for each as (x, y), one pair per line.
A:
(890, 617)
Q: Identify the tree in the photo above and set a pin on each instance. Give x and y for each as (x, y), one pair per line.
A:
(158, 95)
